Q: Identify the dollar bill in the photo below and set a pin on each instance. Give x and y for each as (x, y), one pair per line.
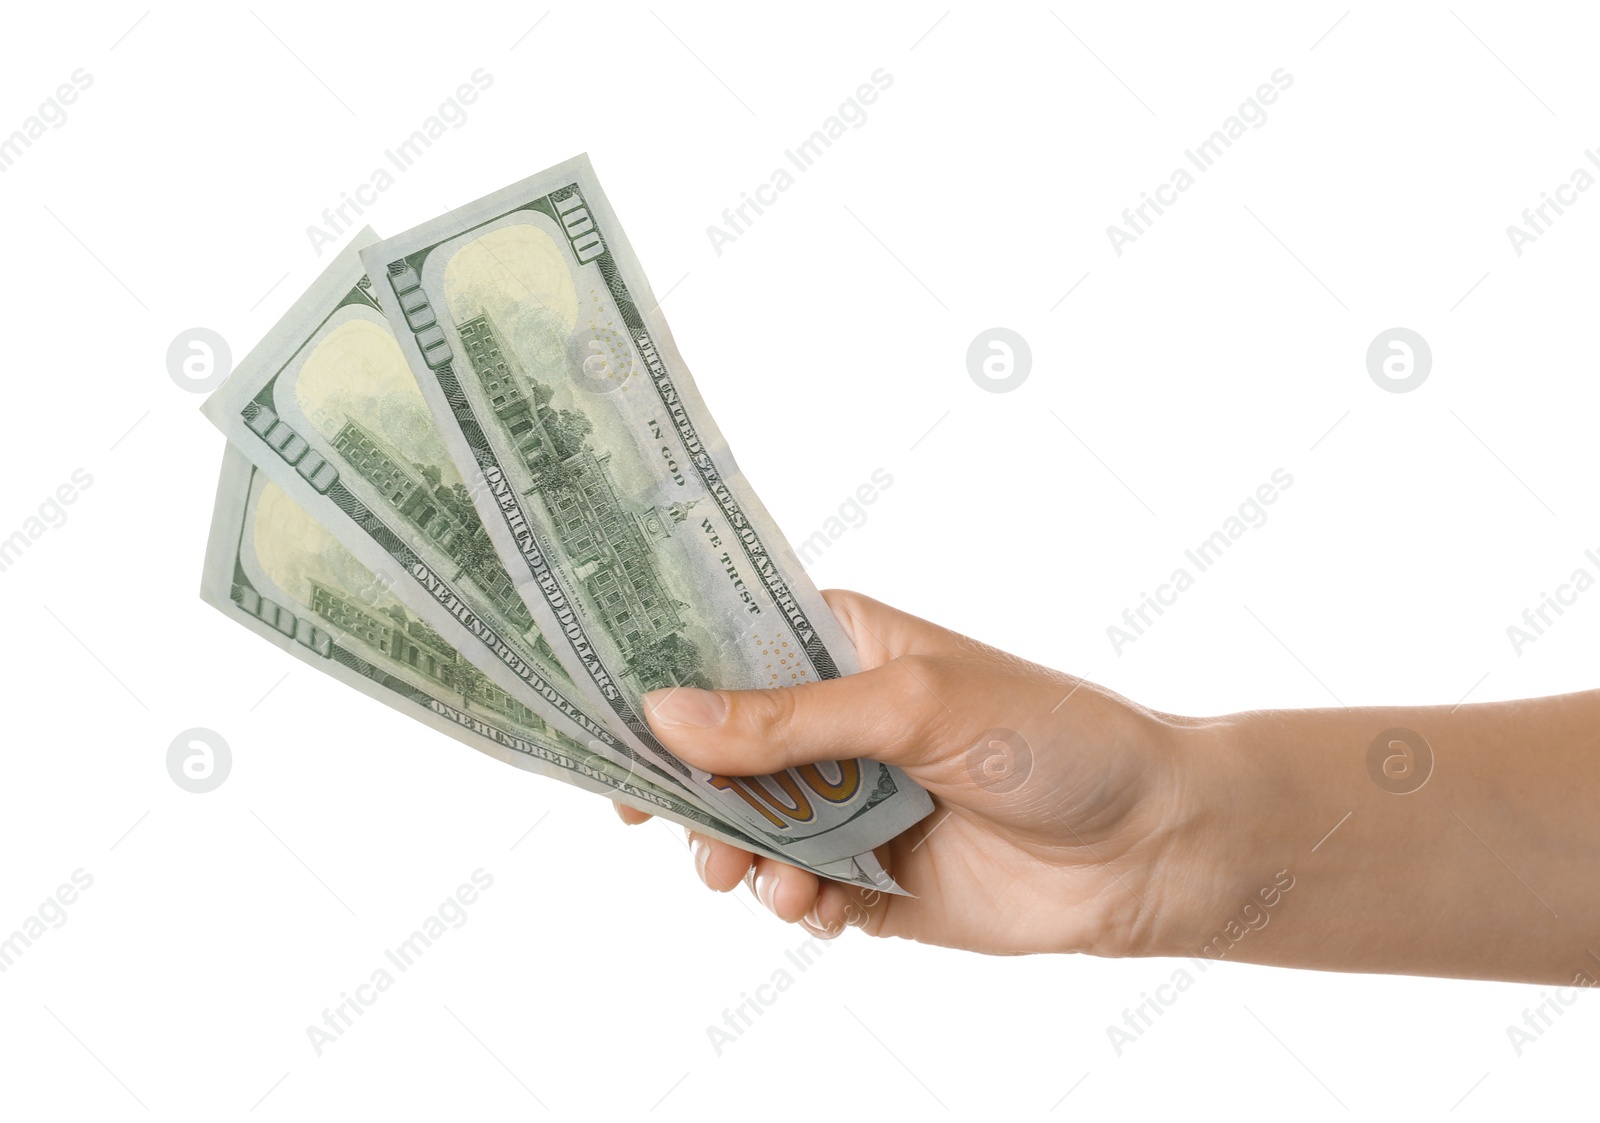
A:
(326, 406)
(612, 498)
(273, 568)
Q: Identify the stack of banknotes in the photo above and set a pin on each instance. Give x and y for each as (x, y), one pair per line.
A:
(469, 475)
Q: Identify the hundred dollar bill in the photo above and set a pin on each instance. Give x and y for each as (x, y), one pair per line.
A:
(611, 496)
(326, 406)
(273, 568)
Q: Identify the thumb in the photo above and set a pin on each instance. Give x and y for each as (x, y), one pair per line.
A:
(891, 713)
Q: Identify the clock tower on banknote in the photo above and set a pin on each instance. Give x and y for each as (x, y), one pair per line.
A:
(607, 543)
(444, 514)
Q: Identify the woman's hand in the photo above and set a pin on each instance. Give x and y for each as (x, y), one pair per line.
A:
(1057, 807)
(1433, 840)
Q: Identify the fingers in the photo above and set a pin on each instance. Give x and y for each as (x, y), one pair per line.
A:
(718, 864)
(785, 891)
(822, 908)
(793, 895)
(629, 815)
(838, 906)
(835, 909)
(796, 896)
(890, 713)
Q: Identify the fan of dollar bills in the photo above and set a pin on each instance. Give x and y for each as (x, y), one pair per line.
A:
(469, 475)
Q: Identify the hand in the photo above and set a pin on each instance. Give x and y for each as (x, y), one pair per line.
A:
(1066, 818)
(1055, 801)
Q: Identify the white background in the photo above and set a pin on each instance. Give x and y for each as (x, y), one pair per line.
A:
(830, 340)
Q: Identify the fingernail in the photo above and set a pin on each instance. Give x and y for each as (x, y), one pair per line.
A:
(684, 705)
(766, 888)
(702, 855)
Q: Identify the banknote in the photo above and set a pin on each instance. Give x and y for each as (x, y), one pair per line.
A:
(327, 407)
(272, 567)
(623, 521)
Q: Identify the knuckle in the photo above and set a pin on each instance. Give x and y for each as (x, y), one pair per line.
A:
(773, 718)
(843, 600)
(920, 706)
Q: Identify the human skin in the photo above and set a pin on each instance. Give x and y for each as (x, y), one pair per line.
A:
(1261, 837)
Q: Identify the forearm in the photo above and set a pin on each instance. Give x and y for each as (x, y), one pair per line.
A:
(1486, 870)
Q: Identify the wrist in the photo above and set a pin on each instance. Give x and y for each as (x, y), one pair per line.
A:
(1224, 866)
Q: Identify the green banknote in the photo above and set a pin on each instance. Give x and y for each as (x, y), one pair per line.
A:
(641, 552)
(328, 408)
(272, 567)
